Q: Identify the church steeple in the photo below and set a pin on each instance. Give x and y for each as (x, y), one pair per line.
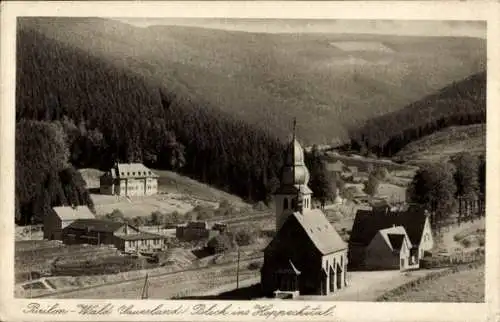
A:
(294, 194)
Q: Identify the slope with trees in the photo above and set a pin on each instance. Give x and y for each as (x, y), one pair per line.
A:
(267, 79)
(460, 103)
(44, 176)
(444, 188)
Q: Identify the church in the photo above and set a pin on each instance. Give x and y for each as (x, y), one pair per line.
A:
(307, 256)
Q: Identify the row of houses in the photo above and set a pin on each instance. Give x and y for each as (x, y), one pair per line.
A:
(345, 172)
(78, 225)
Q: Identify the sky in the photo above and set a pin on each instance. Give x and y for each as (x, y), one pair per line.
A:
(388, 27)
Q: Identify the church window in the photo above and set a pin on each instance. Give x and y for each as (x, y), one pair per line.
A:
(285, 203)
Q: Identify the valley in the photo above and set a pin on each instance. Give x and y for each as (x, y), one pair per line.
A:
(177, 162)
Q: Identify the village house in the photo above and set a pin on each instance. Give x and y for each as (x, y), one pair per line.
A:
(196, 230)
(123, 236)
(129, 179)
(391, 248)
(369, 223)
(336, 168)
(60, 217)
(307, 255)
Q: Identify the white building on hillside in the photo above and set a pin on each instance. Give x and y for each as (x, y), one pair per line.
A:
(129, 179)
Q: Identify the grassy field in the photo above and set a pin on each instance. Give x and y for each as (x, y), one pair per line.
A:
(441, 145)
(463, 286)
(177, 193)
(328, 81)
(38, 256)
(391, 191)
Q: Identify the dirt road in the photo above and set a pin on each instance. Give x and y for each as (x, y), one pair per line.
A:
(368, 286)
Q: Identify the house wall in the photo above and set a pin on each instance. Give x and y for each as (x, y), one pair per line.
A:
(141, 244)
(130, 187)
(81, 236)
(52, 226)
(409, 263)
(356, 256)
(427, 241)
(135, 187)
(151, 186)
(378, 255)
(106, 185)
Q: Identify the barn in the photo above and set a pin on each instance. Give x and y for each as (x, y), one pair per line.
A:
(60, 217)
(123, 236)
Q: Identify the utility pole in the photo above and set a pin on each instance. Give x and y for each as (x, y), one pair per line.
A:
(238, 270)
(145, 289)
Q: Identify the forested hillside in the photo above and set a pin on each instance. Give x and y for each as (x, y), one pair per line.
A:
(109, 114)
(461, 103)
(328, 81)
(44, 176)
(214, 105)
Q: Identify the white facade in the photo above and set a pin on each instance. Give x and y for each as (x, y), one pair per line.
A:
(335, 265)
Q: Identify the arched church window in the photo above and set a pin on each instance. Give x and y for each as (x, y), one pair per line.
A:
(285, 204)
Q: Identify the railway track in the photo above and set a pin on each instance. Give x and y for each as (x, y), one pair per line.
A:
(165, 279)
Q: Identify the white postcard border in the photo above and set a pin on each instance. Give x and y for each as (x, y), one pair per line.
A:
(12, 309)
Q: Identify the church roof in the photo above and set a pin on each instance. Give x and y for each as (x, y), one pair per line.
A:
(294, 171)
(319, 230)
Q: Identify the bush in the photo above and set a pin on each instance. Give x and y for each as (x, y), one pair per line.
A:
(221, 243)
(481, 241)
(244, 237)
(254, 266)
(115, 215)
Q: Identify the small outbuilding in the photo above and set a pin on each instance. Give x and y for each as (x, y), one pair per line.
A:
(60, 217)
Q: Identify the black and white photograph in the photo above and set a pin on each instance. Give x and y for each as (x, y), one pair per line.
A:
(320, 160)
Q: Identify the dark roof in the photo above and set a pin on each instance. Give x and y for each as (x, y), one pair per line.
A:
(368, 223)
(396, 241)
(319, 230)
(96, 225)
(141, 235)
